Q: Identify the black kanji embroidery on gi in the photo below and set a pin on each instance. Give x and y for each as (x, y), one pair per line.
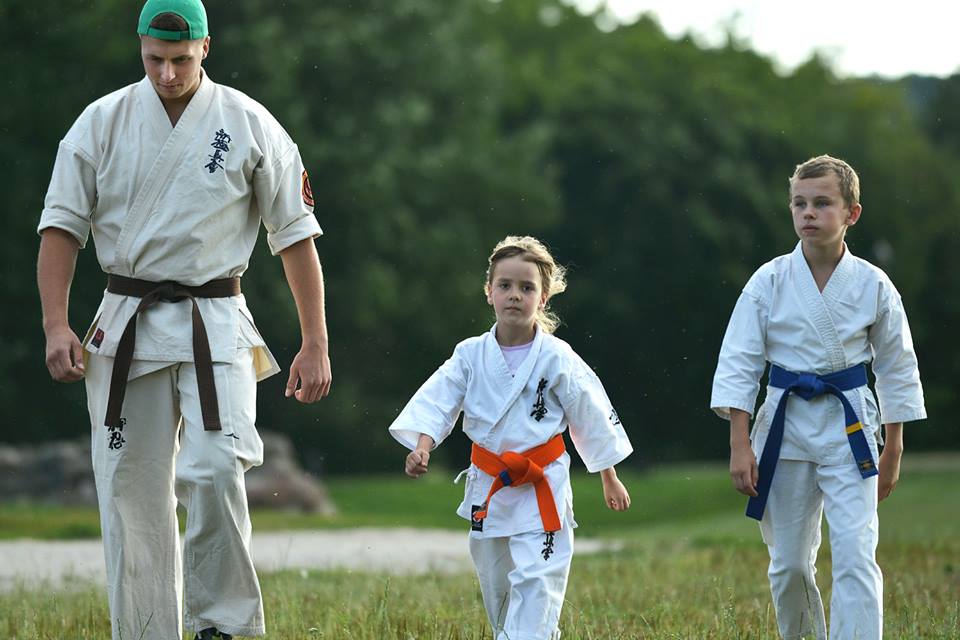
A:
(540, 407)
(547, 546)
(232, 435)
(221, 140)
(116, 435)
(614, 418)
(221, 144)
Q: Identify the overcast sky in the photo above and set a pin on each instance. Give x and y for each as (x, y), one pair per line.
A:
(859, 37)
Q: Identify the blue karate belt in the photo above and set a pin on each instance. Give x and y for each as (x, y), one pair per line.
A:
(809, 386)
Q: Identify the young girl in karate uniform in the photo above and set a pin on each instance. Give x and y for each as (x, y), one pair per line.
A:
(519, 388)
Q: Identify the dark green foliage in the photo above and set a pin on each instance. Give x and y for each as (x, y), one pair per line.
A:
(656, 169)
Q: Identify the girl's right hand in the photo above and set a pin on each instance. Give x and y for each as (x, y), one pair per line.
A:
(416, 463)
(743, 470)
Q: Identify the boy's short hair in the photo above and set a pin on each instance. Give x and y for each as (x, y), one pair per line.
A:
(822, 165)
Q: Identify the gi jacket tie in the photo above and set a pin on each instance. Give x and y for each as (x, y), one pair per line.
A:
(514, 469)
(150, 293)
(809, 386)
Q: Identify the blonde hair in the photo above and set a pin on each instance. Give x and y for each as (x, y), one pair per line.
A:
(552, 275)
(822, 165)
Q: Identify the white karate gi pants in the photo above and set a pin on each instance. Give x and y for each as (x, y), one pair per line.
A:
(163, 455)
(800, 494)
(522, 592)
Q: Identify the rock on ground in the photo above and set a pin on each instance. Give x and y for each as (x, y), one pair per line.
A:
(60, 472)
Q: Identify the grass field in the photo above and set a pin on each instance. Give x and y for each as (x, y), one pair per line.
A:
(691, 566)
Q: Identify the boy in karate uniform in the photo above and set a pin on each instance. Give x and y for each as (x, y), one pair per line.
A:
(818, 315)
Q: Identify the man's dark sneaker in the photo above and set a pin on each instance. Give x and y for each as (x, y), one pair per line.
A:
(211, 633)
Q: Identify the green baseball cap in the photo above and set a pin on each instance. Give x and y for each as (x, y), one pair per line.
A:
(191, 11)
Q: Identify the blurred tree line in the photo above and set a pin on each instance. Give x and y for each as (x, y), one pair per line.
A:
(656, 169)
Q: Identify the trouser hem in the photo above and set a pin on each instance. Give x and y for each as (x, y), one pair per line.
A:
(197, 625)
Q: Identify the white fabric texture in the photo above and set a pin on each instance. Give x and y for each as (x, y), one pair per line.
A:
(800, 494)
(781, 317)
(162, 455)
(161, 208)
(553, 389)
(523, 592)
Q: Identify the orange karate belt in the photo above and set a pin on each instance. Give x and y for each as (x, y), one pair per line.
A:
(514, 469)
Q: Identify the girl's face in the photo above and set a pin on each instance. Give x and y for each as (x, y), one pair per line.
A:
(516, 293)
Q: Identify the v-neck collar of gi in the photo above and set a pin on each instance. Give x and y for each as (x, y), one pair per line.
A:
(839, 279)
(818, 304)
(157, 114)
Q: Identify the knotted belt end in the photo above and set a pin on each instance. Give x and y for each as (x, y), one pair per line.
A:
(481, 513)
(527, 468)
(867, 468)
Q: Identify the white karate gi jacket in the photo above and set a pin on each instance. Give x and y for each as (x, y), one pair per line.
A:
(498, 414)
(781, 317)
(179, 203)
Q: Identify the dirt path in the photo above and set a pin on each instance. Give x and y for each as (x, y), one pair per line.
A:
(398, 551)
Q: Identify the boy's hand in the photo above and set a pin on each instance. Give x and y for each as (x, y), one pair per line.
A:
(743, 469)
(615, 495)
(889, 471)
(416, 463)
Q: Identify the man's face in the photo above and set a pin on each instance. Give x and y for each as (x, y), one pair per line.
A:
(173, 66)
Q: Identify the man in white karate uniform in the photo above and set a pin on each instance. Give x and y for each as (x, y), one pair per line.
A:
(818, 315)
(173, 176)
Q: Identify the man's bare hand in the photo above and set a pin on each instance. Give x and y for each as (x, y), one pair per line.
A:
(310, 377)
(64, 355)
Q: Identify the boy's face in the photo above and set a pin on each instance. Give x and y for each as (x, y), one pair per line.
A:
(820, 214)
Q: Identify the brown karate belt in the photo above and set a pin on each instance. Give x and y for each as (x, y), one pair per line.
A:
(150, 293)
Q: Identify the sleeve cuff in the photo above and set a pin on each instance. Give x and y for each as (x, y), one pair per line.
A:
(72, 224)
(722, 406)
(594, 466)
(904, 416)
(300, 229)
(409, 437)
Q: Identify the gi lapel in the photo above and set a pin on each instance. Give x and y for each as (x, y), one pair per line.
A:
(815, 304)
(177, 142)
(520, 378)
(842, 276)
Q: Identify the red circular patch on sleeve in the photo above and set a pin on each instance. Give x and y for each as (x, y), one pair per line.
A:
(305, 190)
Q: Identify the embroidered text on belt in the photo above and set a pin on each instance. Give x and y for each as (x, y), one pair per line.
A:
(809, 386)
(150, 293)
(514, 469)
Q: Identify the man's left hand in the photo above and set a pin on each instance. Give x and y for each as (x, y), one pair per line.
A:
(310, 371)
